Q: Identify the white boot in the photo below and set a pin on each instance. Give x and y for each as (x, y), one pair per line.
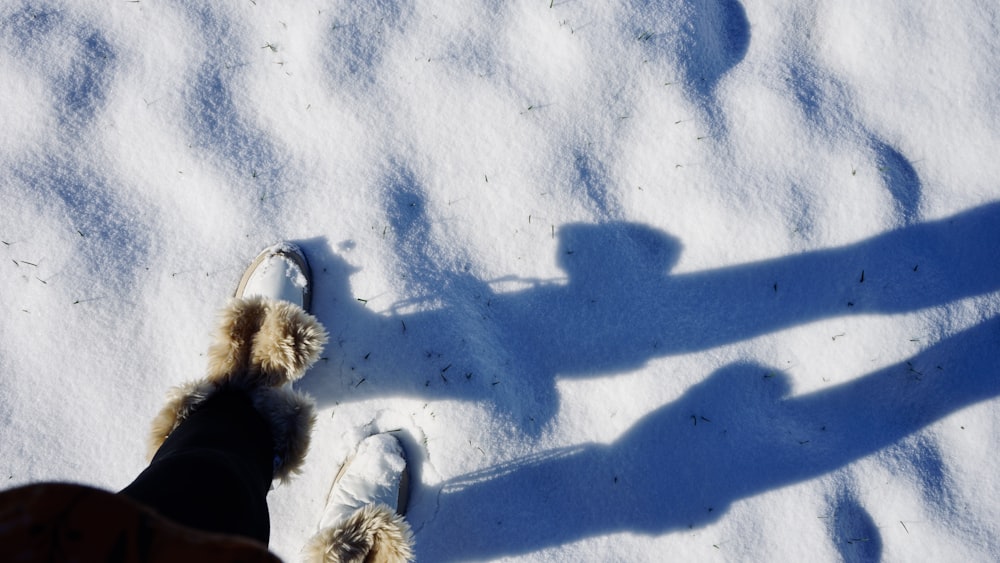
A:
(279, 272)
(363, 517)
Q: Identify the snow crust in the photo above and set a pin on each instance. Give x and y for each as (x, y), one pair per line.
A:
(692, 280)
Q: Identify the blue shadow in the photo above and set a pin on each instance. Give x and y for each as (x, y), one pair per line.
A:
(620, 306)
(730, 437)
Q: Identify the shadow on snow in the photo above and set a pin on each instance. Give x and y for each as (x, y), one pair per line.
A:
(733, 435)
(620, 306)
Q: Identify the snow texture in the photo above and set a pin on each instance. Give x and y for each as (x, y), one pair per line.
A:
(700, 280)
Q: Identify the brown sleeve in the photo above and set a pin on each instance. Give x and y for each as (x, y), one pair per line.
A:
(59, 521)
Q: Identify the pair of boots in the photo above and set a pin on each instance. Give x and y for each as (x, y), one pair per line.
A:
(267, 340)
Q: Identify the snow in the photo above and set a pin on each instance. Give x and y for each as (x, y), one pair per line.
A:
(695, 280)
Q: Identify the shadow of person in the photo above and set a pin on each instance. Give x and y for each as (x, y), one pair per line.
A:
(736, 434)
(620, 306)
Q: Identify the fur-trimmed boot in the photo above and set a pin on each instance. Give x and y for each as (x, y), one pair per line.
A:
(266, 339)
(219, 443)
(363, 520)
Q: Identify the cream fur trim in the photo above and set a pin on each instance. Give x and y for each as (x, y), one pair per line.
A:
(292, 416)
(181, 400)
(261, 341)
(374, 533)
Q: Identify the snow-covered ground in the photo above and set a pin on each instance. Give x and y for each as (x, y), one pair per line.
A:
(702, 280)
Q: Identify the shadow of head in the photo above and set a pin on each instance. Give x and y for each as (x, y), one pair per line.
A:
(590, 252)
(741, 385)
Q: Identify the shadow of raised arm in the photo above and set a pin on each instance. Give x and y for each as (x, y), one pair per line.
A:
(622, 307)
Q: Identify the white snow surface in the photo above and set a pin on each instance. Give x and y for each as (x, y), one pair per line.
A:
(696, 280)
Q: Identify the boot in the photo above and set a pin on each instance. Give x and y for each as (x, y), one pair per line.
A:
(264, 342)
(363, 520)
